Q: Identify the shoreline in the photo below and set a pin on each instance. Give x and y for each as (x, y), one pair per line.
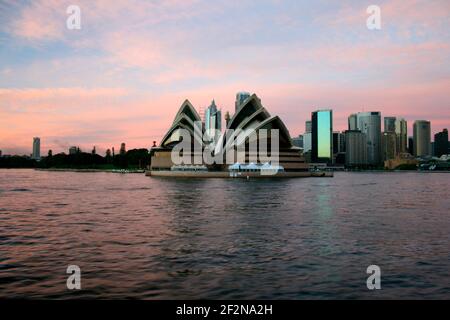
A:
(143, 171)
(90, 170)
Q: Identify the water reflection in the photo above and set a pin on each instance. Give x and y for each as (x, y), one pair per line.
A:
(140, 237)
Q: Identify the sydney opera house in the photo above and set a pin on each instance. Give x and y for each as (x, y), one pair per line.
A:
(249, 119)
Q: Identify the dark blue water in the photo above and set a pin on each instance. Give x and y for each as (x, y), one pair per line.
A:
(153, 238)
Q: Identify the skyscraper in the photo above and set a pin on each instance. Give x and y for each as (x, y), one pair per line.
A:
(240, 99)
(353, 122)
(389, 124)
(401, 131)
(213, 122)
(422, 138)
(338, 142)
(441, 143)
(36, 148)
(355, 148)
(389, 145)
(322, 136)
(411, 145)
(369, 123)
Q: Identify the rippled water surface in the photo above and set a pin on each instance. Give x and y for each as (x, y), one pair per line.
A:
(153, 238)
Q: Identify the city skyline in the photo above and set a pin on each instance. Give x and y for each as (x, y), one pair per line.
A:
(321, 144)
(116, 79)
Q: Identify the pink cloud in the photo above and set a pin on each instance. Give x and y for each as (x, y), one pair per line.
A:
(41, 20)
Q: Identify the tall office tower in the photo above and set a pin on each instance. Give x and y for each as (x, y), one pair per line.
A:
(410, 145)
(422, 138)
(441, 143)
(338, 142)
(322, 136)
(370, 124)
(401, 131)
(36, 148)
(389, 124)
(389, 145)
(307, 137)
(213, 122)
(353, 122)
(240, 99)
(355, 148)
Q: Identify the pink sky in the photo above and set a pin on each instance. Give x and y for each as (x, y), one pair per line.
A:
(122, 77)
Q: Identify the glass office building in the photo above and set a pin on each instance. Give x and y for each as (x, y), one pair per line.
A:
(322, 136)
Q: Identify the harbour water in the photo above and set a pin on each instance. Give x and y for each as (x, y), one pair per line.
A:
(159, 238)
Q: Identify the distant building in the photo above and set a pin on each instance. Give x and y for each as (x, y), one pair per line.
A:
(369, 123)
(240, 99)
(322, 136)
(401, 130)
(338, 142)
(227, 118)
(36, 148)
(422, 138)
(338, 148)
(389, 124)
(213, 122)
(73, 150)
(353, 122)
(356, 148)
(411, 145)
(123, 150)
(441, 143)
(308, 126)
(307, 137)
(298, 141)
(389, 145)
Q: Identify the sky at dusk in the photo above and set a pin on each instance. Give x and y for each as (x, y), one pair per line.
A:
(123, 76)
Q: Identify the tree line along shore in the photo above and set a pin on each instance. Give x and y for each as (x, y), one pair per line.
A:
(134, 159)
